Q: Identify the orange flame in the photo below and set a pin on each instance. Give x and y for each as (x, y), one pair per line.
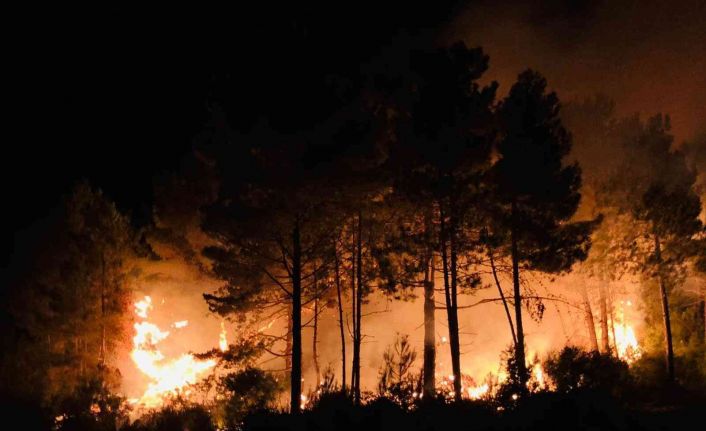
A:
(625, 340)
(538, 375)
(478, 392)
(168, 377)
(141, 307)
(222, 340)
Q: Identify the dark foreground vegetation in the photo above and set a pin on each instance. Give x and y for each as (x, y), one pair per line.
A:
(580, 410)
(586, 391)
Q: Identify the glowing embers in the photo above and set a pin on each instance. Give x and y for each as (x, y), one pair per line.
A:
(469, 388)
(625, 341)
(478, 392)
(488, 387)
(168, 376)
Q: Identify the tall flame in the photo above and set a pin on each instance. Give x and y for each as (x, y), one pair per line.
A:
(222, 340)
(168, 377)
(625, 341)
(538, 375)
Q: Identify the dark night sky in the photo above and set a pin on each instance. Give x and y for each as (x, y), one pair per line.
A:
(118, 97)
(114, 117)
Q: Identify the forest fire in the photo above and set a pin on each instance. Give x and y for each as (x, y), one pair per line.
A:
(467, 214)
(222, 338)
(478, 392)
(626, 345)
(168, 376)
(538, 376)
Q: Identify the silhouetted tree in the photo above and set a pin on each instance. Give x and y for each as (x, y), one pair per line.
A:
(592, 125)
(69, 309)
(535, 194)
(395, 379)
(445, 135)
(271, 233)
(658, 189)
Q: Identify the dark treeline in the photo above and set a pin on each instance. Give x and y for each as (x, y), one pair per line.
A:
(405, 178)
(419, 172)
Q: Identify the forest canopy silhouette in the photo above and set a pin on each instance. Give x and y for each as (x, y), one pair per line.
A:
(347, 228)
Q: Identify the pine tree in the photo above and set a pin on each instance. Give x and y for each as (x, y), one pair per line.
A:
(445, 136)
(658, 189)
(535, 193)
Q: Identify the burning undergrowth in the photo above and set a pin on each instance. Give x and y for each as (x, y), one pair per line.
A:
(216, 376)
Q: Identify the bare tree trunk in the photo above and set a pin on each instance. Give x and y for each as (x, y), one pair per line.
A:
(296, 376)
(337, 276)
(605, 340)
(103, 281)
(353, 305)
(611, 315)
(429, 325)
(588, 317)
(358, 311)
(455, 339)
(449, 267)
(288, 343)
(502, 296)
(315, 341)
(703, 308)
(520, 346)
(665, 311)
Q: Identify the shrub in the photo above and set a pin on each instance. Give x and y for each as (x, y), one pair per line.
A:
(176, 416)
(246, 391)
(572, 369)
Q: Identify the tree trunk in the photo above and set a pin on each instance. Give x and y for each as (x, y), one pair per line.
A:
(502, 296)
(703, 309)
(455, 339)
(449, 267)
(588, 317)
(337, 276)
(665, 311)
(429, 328)
(611, 315)
(605, 340)
(353, 304)
(520, 346)
(102, 349)
(288, 344)
(314, 349)
(296, 376)
(358, 311)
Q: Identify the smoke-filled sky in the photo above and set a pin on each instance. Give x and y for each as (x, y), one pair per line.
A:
(650, 56)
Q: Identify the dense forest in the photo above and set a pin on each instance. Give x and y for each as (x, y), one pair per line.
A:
(330, 249)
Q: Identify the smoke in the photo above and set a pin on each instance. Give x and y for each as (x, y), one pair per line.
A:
(484, 329)
(176, 290)
(695, 150)
(649, 56)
